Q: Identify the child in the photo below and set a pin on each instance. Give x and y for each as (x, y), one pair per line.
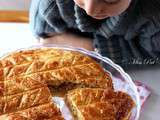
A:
(123, 30)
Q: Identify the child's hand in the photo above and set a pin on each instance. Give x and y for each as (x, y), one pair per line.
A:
(69, 39)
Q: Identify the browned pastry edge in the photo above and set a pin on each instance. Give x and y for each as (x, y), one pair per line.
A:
(82, 97)
(122, 101)
(98, 111)
(28, 56)
(20, 63)
(46, 111)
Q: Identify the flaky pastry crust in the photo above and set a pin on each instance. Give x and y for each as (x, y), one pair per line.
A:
(82, 100)
(25, 76)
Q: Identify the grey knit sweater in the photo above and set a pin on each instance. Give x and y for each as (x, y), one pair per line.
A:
(130, 38)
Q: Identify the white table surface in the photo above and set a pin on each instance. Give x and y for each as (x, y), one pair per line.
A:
(151, 77)
(14, 4)
(15, 36)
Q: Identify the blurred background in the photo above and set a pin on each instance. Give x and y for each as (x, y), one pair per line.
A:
(14, 25)
(14, 4)
(14, 10)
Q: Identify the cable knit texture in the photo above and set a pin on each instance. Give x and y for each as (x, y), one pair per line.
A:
(135, 34)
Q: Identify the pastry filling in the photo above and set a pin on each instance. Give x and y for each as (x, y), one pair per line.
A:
(62, 89)
(74, 110)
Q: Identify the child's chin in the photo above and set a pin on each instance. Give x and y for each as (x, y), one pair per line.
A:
(99, 17)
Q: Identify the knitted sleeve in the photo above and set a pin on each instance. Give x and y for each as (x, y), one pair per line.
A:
(45, 18)
(149, 33)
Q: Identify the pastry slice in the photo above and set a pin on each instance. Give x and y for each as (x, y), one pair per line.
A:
(82, 100)
(20, 84)
(96, 111)
(32, 104)
(24, 100)
(46, 111)
(122, 101)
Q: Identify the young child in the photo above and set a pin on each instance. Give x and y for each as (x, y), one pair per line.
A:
(126, 31)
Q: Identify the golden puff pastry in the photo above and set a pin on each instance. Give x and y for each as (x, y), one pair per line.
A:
(25, 76)
(29, 105)
(97, 111)
(54, 67)
(82, 100)
(46, 111)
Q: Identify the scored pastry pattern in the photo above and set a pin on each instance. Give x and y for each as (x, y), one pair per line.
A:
(25, 76)
(107, 104)
(67, 66)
